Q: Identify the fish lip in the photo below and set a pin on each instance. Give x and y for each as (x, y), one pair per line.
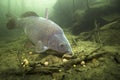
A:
(68, 52)
(67, 56)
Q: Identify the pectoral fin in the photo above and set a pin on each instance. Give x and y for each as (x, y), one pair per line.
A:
(39, 47)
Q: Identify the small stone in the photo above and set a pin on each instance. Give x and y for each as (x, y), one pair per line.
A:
(26, 62)
(74, 65)
(84, 65)
(30, 52)
(64, 60)
(22, 63)
(82, 62)
(46, 63)
(60, 70)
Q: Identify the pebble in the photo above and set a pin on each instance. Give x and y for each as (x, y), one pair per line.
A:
(74, 65)
(46, 63)
(82, 63)
(30, 53)
(60, 70)
(64, 60)
(25, 63)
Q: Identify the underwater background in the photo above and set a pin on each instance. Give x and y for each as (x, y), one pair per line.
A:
(91, 26)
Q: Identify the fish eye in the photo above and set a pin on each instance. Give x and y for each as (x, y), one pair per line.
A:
(61, 44)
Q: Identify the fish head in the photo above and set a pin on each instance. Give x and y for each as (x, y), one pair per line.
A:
(60, 44)
(64, 47)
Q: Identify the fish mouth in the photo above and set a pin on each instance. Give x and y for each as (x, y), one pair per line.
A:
(67, 56)
(69, 52)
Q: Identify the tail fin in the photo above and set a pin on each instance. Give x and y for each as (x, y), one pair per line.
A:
(11, 23)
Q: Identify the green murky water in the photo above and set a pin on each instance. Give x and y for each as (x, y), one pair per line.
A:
(91, 26)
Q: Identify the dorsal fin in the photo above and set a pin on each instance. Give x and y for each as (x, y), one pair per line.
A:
(11, 24)
(46, 13)
(28, 14)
